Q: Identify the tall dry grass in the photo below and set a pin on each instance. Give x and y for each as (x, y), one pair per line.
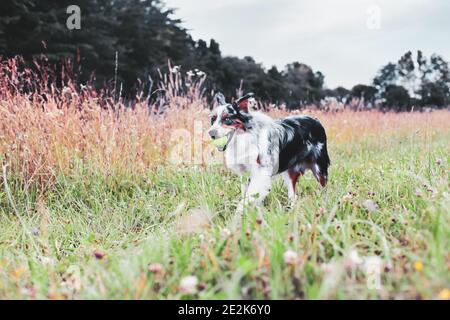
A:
(49, 125)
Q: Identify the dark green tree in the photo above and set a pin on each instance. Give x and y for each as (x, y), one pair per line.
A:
(434, 89)
(303, 85)
(31, 28)
(361, 91)
(427, 80)
(396, 98)
(385, 77)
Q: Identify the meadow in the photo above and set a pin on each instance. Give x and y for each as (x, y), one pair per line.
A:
(93, 205)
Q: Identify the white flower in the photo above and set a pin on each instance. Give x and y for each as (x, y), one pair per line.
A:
(370, 205)
(200, 73)
(155, 267)
(372, 262)
(188, 285)
(46, 261)
(175, 69)
(327, 267)
(290, 257)
(353, 259)
(226, 232)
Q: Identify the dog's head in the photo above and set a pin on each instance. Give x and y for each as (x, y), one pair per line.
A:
(230, 119)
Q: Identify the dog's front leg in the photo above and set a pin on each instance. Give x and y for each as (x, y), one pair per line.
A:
(258, 188)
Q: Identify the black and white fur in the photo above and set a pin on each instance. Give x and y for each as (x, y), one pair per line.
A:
(265, 147)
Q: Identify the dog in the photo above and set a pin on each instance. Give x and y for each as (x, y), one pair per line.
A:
(265, 147)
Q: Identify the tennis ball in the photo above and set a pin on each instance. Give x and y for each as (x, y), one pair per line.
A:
(221, 142)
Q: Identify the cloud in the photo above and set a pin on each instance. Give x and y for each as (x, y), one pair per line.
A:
(331, 36)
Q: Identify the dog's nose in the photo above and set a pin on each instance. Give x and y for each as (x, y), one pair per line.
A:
(213, 133)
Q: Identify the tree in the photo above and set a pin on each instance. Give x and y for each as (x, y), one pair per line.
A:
(147, 37)
(364, 93)
(303, 85)
(385, 77)
(435, 86)
(274, 86)
(427, 81)
(142, 32)
(396, 97)
(434, 95)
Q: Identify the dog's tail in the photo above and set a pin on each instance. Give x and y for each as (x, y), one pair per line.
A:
(323, 162)
(322, 158)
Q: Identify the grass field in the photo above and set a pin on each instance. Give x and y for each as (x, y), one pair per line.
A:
(92, 207)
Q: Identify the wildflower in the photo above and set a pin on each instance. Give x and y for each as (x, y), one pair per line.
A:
(290, 257)
(370, 206)
(175, 69)
(353, 259)
(200, 73)
(155, 268)
(202, 286)
(47, 261)
(28, 291)
(188, 285)
(439, 162)
(327, 267)
(373, 262)
(17, 273)
(99, 255)
(418, 266)
(433, 191)
(347, 197)
(226, 232)
(291, 237)
(444, 294)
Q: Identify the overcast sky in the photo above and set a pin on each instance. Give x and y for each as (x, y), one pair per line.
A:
(343, 39)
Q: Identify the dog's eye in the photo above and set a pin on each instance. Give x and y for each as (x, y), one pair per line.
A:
(213, 119)
(227, 121)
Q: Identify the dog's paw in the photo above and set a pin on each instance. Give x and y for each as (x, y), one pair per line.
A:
(292, 203)
(240, 208)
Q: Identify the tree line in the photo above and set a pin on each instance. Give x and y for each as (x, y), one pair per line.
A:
(128, 41)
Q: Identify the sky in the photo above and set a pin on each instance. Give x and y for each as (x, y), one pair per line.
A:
(347, 40)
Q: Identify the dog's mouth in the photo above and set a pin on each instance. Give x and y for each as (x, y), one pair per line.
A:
(229, 136)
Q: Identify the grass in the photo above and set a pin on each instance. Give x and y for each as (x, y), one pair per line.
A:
(92, 208)
(92, 236)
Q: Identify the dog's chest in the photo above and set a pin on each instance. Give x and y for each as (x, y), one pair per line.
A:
(242, 154)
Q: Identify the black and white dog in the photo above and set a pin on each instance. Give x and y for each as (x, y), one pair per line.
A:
(265, 147)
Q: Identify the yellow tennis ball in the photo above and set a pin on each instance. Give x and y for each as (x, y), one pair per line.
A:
(221, 142)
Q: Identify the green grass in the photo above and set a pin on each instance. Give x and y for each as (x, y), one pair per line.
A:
(48, 237)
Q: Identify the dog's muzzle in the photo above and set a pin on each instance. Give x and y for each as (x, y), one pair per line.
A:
(229, 136)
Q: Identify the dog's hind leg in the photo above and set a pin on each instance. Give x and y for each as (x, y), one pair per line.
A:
(320, 177)
(290, 178)
(321, 164)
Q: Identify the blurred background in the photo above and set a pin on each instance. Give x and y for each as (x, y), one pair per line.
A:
(367, 54)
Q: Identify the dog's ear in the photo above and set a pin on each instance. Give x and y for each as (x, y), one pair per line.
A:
(242, 104)
(220, 98)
